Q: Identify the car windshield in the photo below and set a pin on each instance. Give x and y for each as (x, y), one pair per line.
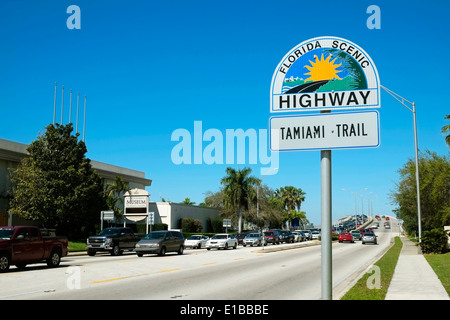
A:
(155, 235)
(219, 236)
(6, 234)
(253, 235)
(108, 231)
(369, 234)
(195, 238)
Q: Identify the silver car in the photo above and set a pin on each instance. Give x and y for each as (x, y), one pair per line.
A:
(252, 239)
(369, 237)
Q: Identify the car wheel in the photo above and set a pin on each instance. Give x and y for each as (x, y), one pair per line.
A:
(4, 262)
(235, 246)
(91, 252)
(116, 250)
(55, 259)
(162, 252)
(140, 254)
(180, 250)
(226, 246)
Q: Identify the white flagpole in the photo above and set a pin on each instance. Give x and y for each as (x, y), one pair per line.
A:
(62, 105)
(54, 106)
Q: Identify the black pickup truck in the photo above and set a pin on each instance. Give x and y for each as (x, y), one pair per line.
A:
(114, 240)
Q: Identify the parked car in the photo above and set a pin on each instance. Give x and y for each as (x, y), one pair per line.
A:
(387, 225)
(240, 237)
(254, 239)
(346, 236)
(272, 237)
(299, 236)
(113, 240)
(369, 237)
(160, 242)
(315, 235)
(222, 240)
(22, 245)
(356, 234)
(196, 241)
(286, 236)
(307, 233)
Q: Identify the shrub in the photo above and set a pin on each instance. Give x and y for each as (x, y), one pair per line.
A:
(434, 241)
(191, 225)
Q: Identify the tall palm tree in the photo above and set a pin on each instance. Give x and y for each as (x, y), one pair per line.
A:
(446, 130)
(114, 195)
(239, 190)
(291, 198)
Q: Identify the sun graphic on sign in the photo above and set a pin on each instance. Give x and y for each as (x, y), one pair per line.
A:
(322, 69)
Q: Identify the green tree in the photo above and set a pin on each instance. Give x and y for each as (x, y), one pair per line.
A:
(114, 196)
(239, 190)
(434, 173)
(446, 130)
(188, 201)
(291, 199)
(56, 185)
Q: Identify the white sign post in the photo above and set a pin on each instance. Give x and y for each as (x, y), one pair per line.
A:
(325, 74)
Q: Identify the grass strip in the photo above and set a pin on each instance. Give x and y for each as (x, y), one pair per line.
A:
(77, 246)
(374, 284)
(441, 266)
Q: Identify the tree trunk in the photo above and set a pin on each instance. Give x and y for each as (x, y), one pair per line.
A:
(240, 219)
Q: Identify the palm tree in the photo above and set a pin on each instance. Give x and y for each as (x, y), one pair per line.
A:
(446, 130)
(291, 198)
(114, 195)
(239, 190)
(188, 201)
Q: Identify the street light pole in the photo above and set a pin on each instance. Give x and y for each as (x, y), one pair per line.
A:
(413, 110)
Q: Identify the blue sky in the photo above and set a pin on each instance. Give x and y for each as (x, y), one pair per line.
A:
(149, 68)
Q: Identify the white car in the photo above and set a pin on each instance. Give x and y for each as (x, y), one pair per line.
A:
(315, 235)
(196, 241)
(221, 241)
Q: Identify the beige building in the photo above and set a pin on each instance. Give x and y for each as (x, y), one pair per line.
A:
(11, 153)
(170, 213)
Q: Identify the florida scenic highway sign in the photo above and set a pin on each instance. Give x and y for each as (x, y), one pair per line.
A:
(325, 74)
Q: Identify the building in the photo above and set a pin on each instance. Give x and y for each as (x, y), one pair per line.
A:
(171, 213)
(11, 153)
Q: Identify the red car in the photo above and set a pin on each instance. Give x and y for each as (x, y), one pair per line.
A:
(346, 236)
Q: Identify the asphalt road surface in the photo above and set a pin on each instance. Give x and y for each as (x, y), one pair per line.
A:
(250, 273)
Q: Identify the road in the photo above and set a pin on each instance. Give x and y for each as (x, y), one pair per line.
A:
(250, 273)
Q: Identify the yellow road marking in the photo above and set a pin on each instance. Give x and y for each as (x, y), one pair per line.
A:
(120, 278)
(168, 270)
(207, 264)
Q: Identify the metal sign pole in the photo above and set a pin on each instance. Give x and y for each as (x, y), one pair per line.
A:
(325, 167)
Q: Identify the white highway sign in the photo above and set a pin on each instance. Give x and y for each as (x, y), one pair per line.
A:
(325, 131)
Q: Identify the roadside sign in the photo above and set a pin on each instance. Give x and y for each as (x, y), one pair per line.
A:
(107, 215)
(325, 131)
(151, 218)
(227, 223)
(325, 73)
